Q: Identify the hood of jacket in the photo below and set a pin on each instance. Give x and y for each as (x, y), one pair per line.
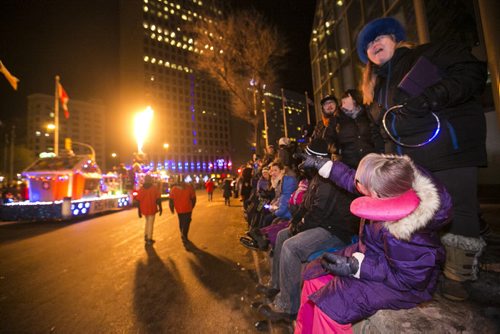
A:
(422, 216)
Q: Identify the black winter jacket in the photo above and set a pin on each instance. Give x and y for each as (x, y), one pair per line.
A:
(461, 141)
(326, 205)
(352, 138)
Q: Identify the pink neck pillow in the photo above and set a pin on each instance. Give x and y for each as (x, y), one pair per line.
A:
(385, 209)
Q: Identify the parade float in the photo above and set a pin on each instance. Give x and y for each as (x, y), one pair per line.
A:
(66, 187)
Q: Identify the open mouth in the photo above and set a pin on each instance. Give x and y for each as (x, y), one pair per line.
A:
(377, 51)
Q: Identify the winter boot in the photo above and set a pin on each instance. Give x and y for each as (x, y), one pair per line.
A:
(462, 254)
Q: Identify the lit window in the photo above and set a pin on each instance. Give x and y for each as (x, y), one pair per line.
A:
(145, 8)
(146, 59)
(172, 34)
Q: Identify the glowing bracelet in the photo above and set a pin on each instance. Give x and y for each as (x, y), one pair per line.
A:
(399, 106)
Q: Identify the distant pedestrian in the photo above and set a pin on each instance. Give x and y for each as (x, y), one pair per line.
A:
(226, 188)
(183, 199)
(149, 199)
(209, 185)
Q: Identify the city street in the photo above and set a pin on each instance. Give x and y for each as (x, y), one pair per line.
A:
(96, 276)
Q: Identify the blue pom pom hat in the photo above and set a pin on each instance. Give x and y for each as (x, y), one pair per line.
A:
(375, 28)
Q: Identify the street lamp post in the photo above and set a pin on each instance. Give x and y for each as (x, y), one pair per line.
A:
(92, 151)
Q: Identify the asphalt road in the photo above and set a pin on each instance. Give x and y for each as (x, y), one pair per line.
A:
(96, 276)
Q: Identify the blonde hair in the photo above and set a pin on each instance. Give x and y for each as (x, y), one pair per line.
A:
(387, 175)
(370, 78)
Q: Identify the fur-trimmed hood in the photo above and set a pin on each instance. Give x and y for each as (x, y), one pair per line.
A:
(423, 214)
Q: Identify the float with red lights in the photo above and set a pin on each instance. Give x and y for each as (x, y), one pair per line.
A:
(65, 187)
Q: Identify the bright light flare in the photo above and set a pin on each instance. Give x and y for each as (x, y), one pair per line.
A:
(142, 121)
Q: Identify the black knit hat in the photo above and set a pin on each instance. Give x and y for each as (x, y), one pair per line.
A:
(329, 98)
(318, 147)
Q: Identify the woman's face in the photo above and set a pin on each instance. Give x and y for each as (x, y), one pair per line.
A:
(275, 172)
(381, 49)
(265, 175)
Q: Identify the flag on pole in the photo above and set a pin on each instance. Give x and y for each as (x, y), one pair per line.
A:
(10, 78)
(63, 96)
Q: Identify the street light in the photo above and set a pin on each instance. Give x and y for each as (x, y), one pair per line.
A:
(166, 146)
(113, 155)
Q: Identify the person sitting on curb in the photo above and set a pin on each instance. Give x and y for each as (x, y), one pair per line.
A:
(399, 257)
(325, 222)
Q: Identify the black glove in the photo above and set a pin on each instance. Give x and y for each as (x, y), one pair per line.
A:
(417, 106)
(311, 161)
(339, 265)
(432, 98)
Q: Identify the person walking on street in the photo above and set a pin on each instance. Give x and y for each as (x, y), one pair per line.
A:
(226, 188)
(209, 185)
(439, 123)
(149, 199)
(183, 200)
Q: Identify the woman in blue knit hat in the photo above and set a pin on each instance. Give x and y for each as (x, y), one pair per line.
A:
(439, 123)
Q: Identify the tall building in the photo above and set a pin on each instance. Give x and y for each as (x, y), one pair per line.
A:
(190, 132)
(85, 126)
(288, 108)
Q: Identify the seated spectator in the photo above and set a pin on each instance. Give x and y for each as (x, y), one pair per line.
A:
(396, 263)
(324, 222)
(284, 186)
(260, 239)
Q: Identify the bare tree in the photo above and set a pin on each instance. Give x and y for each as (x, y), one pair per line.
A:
(242, 52)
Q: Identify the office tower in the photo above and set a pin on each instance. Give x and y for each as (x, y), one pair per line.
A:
(190, 132)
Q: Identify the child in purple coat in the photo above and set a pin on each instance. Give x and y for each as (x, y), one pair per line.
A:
(399, 257)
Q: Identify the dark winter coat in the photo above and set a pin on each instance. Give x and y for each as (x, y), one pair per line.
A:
(326, 132)
(352, 137)
(461, 142)
(402, 262)
(326, 205)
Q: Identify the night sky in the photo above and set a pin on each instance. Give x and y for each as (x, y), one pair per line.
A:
(79, 41)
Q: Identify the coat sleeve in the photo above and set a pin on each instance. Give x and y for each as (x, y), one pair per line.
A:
(464, 75)
(343, 176)
(289, 186)
(403, 266)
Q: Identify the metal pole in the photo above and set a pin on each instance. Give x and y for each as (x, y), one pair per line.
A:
(265, 118)
(284, 112)
(92, 151)
(421, 18)
(488, 10)
(56, 118)
(12, 140)
(307, 110)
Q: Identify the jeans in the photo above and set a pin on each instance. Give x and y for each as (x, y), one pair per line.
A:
(289, 254)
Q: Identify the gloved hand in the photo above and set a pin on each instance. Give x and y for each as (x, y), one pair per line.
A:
(339, 265)
(432, 98)
(417, 106)
(311, 161)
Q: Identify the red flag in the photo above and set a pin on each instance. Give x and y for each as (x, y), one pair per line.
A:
(63, 96)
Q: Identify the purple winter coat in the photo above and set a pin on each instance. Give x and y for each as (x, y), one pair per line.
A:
(403, 259)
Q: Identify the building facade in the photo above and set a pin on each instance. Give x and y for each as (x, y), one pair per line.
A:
(85, 125)
(286, 107)
(190, 132)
